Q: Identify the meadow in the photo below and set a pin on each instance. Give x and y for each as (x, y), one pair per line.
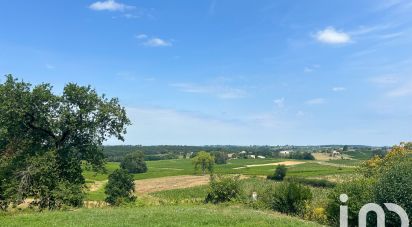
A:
(181, 215)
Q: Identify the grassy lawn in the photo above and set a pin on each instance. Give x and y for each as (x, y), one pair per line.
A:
(203, 215)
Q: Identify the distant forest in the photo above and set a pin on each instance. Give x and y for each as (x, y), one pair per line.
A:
(162, 152)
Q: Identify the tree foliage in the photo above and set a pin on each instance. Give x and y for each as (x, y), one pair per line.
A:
(134, 163)
(204, 161)
(220, 157)
(45, 137)
(120, 188)
(279, 174)
(385, 180)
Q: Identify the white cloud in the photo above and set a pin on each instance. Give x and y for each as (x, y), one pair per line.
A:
(219, 91)
(331, 36)
(49, 66)
(385, 80)
(157, 42)
(183, 127)
(316, 101)
(131, 16)
(141, 36)
(110, 5)
(300, 113)
(311, 68)
(403, 90)
(336, 89)
(280, 103)
(194, 128)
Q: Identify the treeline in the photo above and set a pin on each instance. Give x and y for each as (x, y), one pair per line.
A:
(163, 152)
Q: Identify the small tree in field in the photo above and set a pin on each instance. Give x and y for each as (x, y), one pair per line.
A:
(279, 174)
(204, 161)
(134, 163)
(120, 188)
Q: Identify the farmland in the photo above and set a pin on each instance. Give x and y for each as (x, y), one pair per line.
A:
(177, 167)
(172, 193)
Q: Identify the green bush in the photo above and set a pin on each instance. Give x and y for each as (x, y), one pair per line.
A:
(120, 188)
(223, 189)
(359, 191)
(279, 174)
(290, 198)
(134, 163)
(318, 183)
(395, 186)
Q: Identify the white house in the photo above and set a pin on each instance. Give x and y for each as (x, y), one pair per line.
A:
(261, 157)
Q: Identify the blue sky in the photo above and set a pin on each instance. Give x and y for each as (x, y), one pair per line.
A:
(227, 72)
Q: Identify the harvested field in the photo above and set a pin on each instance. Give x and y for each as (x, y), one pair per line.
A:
(167, 183)
(97, 185)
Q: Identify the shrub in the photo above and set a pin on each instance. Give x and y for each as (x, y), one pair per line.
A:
(120, 188)
(223, 189)
(261, 187)
(279, 174)
(302, 155)
(359, 191)
(318, 183)
(290, 198)
(395, 186)
(134, 163)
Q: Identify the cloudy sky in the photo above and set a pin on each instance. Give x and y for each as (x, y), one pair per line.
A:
(227, 72)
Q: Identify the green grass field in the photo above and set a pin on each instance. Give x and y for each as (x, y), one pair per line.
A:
(347, 162)
(199, 215)
(178, 167)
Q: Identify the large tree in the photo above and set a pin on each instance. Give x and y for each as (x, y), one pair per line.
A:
(44, 138)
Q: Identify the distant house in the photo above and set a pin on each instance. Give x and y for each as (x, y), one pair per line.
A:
(284, 153)
(243, 152)
(252, 156)
(231, 155)
(261, 157)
